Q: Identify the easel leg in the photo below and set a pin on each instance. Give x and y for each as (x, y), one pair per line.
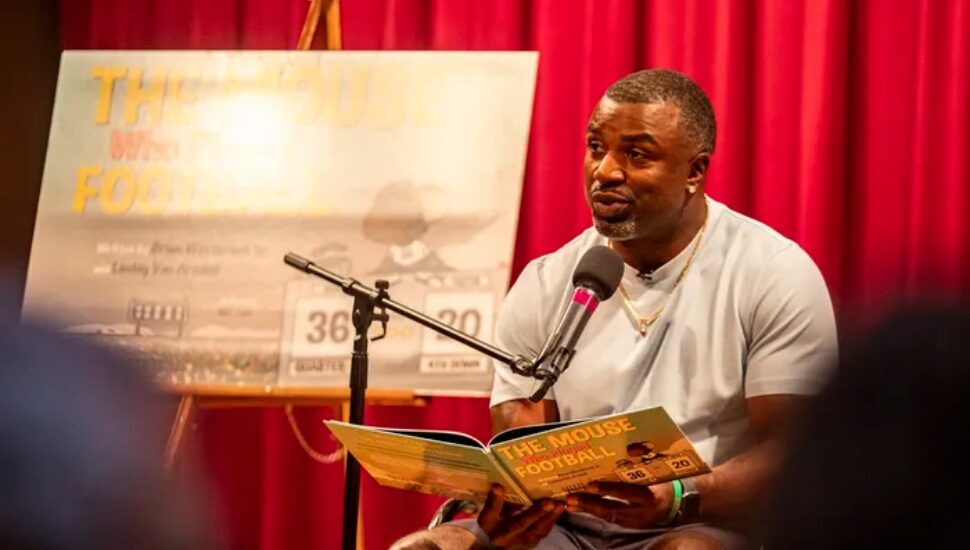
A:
(183, 417)
(310, 24)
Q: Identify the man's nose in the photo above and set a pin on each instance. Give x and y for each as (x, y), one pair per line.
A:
(608, 170)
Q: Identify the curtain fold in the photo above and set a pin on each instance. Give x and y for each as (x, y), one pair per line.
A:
(843, 125)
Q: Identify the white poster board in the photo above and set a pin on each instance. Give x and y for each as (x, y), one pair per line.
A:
(176, 181)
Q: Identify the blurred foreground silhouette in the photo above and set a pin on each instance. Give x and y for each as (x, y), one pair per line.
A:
(81, 455)
(878, 462)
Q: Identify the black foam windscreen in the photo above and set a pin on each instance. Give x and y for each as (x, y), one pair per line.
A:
(600, 270)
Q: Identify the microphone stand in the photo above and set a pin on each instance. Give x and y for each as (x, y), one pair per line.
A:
(366, 301)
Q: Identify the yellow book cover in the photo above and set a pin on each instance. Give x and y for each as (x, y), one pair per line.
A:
(532, 462)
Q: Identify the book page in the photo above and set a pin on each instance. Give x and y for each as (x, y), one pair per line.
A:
(416, 461)
(443, 436)
(644, 447)
(524, 431)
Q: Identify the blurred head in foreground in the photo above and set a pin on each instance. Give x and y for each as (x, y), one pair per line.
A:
(878, 463)
(81, 453)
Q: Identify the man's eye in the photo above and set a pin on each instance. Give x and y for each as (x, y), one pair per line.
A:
(636, 155)
(594, 146)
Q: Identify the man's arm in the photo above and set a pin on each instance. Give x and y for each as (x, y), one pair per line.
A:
(792, 350)
(735, 488)
(522, 412)
(732, 490)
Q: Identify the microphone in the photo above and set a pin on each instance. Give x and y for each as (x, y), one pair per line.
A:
(596, 278)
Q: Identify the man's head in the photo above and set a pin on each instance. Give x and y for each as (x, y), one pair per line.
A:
(396, 216)
(640, 448)
(648, 146)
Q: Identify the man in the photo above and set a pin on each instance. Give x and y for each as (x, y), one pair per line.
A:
(719, 319)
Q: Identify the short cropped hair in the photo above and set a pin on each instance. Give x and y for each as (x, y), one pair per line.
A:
(661, 85)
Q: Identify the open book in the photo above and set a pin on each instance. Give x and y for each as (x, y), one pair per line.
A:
(531, 462)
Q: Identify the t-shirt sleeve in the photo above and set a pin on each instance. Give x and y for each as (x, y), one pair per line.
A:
(519, 331)
(793, 345)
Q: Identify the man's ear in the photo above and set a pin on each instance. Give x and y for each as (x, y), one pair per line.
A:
(698, 169)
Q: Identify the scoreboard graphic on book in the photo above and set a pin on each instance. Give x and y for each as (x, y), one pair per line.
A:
(175, 183)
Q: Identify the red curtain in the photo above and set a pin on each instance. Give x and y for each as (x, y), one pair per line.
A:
(844, 125)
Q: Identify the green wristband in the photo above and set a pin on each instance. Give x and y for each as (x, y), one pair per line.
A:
(675, 504)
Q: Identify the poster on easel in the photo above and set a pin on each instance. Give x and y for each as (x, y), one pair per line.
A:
(175, 182)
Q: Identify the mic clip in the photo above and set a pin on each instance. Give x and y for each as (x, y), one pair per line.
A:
(549, 369)
(535, 368)
(524, 366)
(381, 314)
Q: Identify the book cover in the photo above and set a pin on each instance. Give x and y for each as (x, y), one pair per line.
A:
(531, 462)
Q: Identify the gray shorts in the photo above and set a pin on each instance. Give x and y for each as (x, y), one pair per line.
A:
(586, 532)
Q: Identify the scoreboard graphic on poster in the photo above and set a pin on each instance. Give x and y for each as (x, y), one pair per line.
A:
(318, 333)
(176, 181)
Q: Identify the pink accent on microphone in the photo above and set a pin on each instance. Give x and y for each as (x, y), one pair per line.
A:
(586, 299)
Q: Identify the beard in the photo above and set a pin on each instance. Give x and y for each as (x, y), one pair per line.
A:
(618, 231)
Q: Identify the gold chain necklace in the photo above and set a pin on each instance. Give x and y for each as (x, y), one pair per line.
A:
(644, 323)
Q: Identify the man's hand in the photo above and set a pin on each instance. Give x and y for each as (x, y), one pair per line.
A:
(517, 529)
(638, 507)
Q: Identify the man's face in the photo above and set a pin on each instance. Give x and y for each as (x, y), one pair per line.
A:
(638, 162)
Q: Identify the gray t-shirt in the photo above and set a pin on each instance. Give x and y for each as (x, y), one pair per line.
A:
(751, 317)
